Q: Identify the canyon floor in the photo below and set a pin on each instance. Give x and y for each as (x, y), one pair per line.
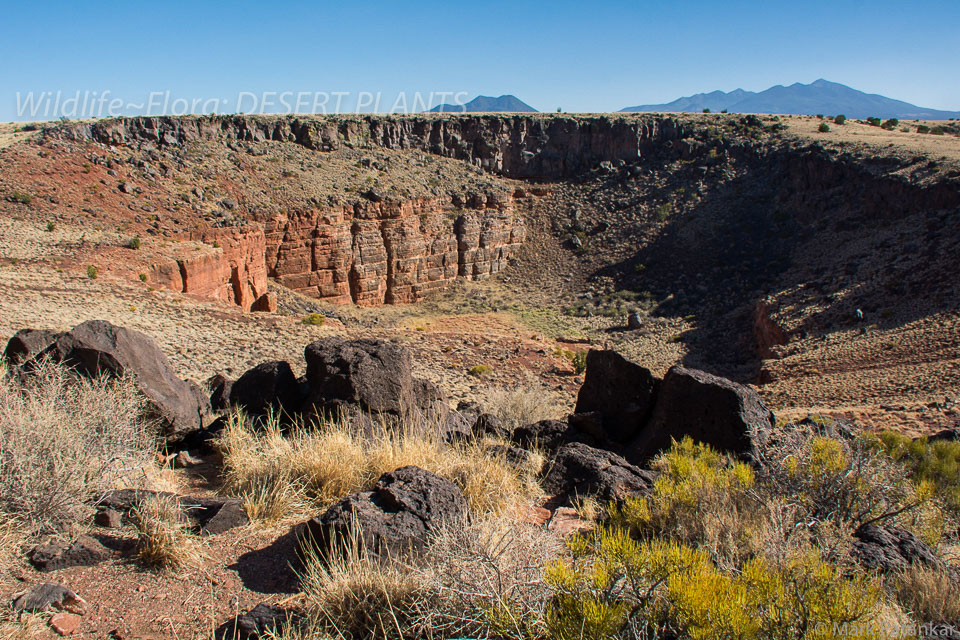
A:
(596, 248)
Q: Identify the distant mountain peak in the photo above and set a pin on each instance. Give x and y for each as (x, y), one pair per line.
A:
(504, 103)
(820, 96)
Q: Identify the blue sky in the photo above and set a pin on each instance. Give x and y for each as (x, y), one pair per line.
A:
(599, 56)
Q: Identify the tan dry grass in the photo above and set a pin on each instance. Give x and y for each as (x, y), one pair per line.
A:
(293, 473)
(63, 440)
(474, 581)
(930, 595)
(163, 540)
(524, 405)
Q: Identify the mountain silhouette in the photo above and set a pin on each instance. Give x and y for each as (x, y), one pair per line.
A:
(487, 103)
(819, 97)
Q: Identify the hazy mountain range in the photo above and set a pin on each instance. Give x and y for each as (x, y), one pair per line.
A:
(487, 103)
(819, 97)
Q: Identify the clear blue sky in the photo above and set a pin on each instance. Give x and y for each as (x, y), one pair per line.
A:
(597, 56)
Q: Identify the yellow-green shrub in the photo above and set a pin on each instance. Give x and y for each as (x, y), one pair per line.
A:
(700, 498)
(938, 462)
(615, 581)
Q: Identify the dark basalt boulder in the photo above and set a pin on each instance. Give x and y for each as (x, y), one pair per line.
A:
(488, 424)
(395, 518)
(263, 621)
(548, 435)
(27, 343)
(723, 414)
(267, 386)
(579, 470)
(375, 375)
(48, 597)
(97, 348)
(890, 548)
(220, 387)
(82, 552)
(622, 392)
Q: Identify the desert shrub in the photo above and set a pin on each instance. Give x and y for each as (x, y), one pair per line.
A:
(873, 122)
(300, 470)
(314, 319)
(143, 277)
(836, 484)
(937, 462)
(701, 499)
(706, 110)
(937, 131)
(482, 580)
(618, 587)
(521, 406)
(92, 272)
(890, 124)
(840, 119)
(134, 243)
(663, 211)
(823, 128)
(931, 595)
(922, 128)
(20, 197)
(51, 225)
(64, 440)
(579, 362)
(163, 540)
(480, 370)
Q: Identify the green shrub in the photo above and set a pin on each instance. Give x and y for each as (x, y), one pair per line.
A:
(579, 361)
(663, 211)
(823, 128)
(314, 319)
(706, 110)
(890, 124)
(840, 119)
(937, 131)
(873, 122)
(92, 272)
(937, 462)
(134, 243)
(480, 370)
(143, 277)
(20, 197)
(51, 225)
(922, 128)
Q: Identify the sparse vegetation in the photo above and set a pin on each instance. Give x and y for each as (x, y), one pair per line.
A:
(51, 226)
(314, 320)
(134, 243)
(873, 122)
(823, 128)
(92, 272)
(143, 277)
(922, 128)
(20, 197)
(840, 119)
(297, 471)
(163, 540)
(480, 370)
(890, 124)
(64, 440)
(522, 405)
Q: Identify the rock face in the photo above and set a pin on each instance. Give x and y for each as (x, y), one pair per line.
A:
(396, 517)
(710, 409)
(374, 375)
(373, 253)
(233, 270)
(581, 470)
(622, 392)
(263, 621)
(549, 435)
(551, 147)
(27, 343)
(97, 347)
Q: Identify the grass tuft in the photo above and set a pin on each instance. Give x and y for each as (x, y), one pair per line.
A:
(163, 540)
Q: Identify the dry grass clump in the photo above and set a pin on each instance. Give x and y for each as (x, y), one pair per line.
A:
(294, 472)
(931, 595)
(522, 406)
(64, 440)
(163, 540)
(485, 580)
